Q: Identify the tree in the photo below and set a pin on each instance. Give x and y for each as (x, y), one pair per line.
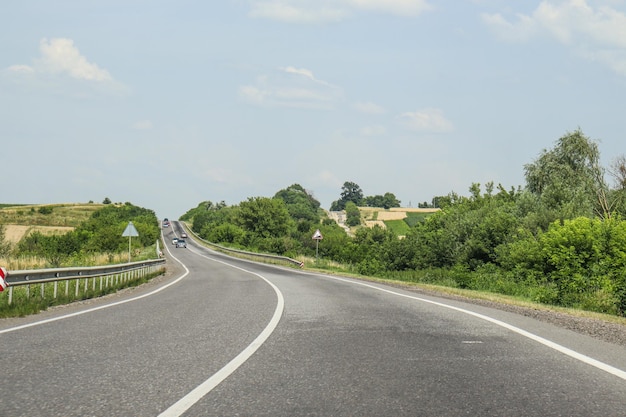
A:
(302, 206)
(390, 200)
(618, 193)
(106, 200)
(353, 215)
(350, 191)
(386, 201)
(264, 217)
(568, 179)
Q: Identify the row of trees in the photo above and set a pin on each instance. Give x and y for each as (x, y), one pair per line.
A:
(275, 224)
(352, 193)
(559, 239)
(102, 233)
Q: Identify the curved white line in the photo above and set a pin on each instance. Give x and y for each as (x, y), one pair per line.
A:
(559, 348)
(182, 405)
(102, 307)
(201, 390)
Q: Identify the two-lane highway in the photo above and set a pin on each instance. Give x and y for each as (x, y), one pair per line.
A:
(229, 337)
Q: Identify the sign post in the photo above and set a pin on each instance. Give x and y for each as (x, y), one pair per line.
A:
(317, 236)
(130, 231)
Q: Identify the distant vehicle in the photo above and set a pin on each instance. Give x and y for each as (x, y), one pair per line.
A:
(181, 243)
(174, 241)
(183, 235)
(166, 222)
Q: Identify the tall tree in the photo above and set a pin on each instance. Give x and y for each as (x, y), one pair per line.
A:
(350, 191)
(302, 206)
(265, 217)
(569, 179)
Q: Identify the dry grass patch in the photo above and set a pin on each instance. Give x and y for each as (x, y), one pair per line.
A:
(63, 215)
(415, 209)
(13, 233)
(372, 223)
(391, 215)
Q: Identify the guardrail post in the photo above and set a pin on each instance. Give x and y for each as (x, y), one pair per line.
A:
(109, 277)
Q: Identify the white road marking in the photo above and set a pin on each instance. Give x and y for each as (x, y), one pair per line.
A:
(102, 307)
(182, 405)
(559, 348)
(201, 390)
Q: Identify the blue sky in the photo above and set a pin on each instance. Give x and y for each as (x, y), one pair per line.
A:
(166, 104)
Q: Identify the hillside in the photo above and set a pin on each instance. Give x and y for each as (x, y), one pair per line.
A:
(20, 220)
(398, 219)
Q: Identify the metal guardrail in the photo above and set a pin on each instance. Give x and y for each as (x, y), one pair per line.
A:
(118, 273)
(242, 252)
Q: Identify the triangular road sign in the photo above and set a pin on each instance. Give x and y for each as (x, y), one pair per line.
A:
(130, 230)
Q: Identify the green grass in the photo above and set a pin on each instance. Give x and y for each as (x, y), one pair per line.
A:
(399, 227)
(28, 299)
(413, 218)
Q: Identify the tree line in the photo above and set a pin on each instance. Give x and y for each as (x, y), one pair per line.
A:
(559, 239)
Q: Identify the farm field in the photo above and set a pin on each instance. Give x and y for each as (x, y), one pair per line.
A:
(21, 220)
(13, 233)
(398, 219)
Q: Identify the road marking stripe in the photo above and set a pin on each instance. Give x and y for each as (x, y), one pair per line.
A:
(102, 307)
(566, 351)
(182, 405)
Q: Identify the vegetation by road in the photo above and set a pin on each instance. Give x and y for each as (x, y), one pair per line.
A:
(560, 239)
(73, 234)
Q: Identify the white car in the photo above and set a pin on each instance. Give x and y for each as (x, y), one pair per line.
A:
(181, 243)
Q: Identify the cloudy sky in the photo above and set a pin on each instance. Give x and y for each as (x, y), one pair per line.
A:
(166, 104)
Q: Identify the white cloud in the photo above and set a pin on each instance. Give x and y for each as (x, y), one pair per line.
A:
(426, 120)
(291, 87)
(523, 30)
(21, 69)
(284, 10)
(397, 7)
(315, 11)
(369, 108)
(59, 55)
(596, 32)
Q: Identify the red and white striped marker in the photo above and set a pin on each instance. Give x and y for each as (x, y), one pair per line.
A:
(3, 274)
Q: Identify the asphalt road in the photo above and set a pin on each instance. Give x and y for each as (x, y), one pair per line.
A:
(225, 337)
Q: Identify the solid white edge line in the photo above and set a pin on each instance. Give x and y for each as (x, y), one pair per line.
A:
(562, 349)
(102, 307)
(186, 402)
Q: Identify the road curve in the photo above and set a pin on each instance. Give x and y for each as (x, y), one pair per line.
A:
(335, 347)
